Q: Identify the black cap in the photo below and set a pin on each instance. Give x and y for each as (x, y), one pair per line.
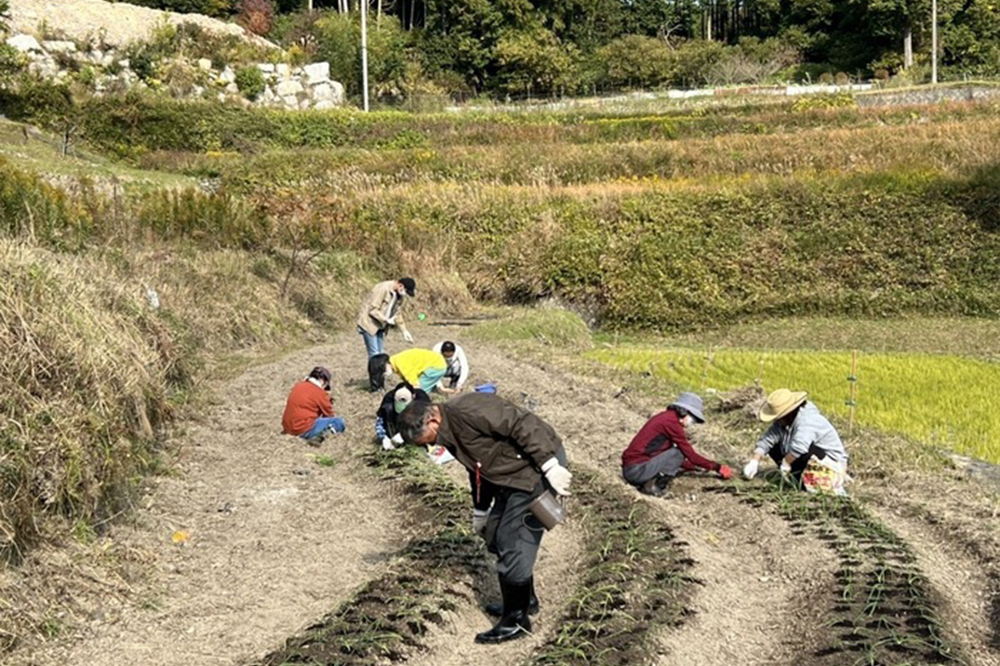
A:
(409, 285)
(321, 373)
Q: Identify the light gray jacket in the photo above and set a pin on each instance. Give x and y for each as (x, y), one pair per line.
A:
(382, 304)
(809, 427)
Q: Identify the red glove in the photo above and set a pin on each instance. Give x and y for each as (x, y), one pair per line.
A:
(725, 472)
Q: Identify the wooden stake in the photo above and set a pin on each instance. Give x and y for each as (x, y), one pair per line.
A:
(704, 375)
(852, 402)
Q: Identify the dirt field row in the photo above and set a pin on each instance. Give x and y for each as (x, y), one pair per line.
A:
(280, 547)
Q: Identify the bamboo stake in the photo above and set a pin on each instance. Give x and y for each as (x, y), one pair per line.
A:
(852, 401)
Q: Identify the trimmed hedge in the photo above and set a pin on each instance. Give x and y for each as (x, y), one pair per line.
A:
(138, 123)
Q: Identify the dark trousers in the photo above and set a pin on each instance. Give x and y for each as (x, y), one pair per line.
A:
(512, 533)
(799, 464)
(668, 463)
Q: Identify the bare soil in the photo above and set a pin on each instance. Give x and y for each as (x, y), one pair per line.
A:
(275, 539)
(278, 542)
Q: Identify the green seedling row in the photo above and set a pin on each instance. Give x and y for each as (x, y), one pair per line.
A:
(635, 580)
(882, 610)
(387, 618)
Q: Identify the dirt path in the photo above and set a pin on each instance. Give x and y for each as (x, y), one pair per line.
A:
(754, 570)
(962, 580)
(746, 558)
(275, 539)
(556, 572)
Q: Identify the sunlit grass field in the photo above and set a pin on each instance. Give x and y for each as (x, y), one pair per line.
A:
(948, 401)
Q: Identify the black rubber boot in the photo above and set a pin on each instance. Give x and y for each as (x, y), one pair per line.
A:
(658, 486)
(495, 608)
(515, 622)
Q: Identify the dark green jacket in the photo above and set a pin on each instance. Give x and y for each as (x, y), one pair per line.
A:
(507, 444)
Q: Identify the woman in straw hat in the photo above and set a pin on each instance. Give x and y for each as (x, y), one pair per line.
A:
(660, 450)
(798, 433)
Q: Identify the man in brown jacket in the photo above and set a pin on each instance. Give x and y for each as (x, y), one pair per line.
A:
(521, 456)
(381, 310)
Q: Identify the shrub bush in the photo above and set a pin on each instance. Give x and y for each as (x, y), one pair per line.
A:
(144, 60)
(250, 81)
(857, 246)
(337, 39)
(534, 62)
(636, 61)
(257, 16)
(11, 62)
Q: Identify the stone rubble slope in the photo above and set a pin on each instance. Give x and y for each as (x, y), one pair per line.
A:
(95, 34)
(116, 23)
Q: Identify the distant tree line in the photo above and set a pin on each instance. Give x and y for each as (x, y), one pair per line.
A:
(520, 47)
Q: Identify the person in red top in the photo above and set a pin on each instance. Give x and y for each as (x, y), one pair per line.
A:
(660, 450)
(309, 412)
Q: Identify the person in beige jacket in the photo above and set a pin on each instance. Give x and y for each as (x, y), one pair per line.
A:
(381, 310)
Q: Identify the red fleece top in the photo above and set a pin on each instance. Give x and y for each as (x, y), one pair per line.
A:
(660, 433)
(306, 403)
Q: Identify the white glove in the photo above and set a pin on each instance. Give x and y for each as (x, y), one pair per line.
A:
(479, 519)
(750, 469)
(407, 336)
(558, 476)
(387, 444)
(786, 468)
(391, 321)
(398, 438)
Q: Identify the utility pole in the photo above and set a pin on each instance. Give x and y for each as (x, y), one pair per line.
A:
(364, 51)
(934, 42)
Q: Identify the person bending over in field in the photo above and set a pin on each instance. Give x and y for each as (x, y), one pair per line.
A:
(387, 417)
(308, 411)
(660, 450)
(516, 456)
(381, 310)
(798, 434)
(458, 366)
(420, 368)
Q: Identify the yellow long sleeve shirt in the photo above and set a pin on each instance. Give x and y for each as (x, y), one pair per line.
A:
(410, 364)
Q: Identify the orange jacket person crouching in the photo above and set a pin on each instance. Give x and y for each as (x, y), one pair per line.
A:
(308, 411)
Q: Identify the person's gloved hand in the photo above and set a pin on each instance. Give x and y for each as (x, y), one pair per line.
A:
(750, 469)
(558, 476)
(391, 321)
(725, 472)
(387, 444)
(398, 438)
(479, 519)
(786, 468)
(407, 336)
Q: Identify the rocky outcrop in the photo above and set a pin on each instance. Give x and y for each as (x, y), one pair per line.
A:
(108, 70)
(114, 23)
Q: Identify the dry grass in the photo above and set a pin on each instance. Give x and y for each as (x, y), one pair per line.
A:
(947, 148)
(91, 370)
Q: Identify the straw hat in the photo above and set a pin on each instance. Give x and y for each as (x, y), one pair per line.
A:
(780, 403)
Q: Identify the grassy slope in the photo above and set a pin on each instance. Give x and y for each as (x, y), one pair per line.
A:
(33, 150)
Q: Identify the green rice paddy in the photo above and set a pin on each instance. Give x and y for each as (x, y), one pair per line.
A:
(947, 401)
